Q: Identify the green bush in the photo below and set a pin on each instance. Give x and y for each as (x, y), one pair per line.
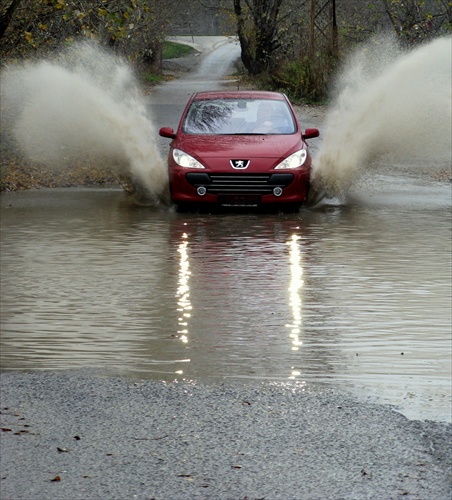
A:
(304, 80)
(153, 78)
(172, 50)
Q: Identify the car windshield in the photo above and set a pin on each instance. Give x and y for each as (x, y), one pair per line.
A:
(239, 117)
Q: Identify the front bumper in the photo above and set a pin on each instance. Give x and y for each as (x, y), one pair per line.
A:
(239, 189)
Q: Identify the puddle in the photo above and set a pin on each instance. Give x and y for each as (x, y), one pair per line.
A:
(354, 296)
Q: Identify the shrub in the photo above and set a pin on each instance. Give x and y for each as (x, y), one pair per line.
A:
(306, 79)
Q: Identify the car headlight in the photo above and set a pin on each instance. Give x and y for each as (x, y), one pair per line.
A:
(185, 160)
(295, 160)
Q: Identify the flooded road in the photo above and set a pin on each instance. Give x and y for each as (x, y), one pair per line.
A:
(355, 295)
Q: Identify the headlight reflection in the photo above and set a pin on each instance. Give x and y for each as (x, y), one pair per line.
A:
(296, 283)
(183, 291)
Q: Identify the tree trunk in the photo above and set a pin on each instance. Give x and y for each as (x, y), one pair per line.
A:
(264, 14)
(246, 56)
(5, 19)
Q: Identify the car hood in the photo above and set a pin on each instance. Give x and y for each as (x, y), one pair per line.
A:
(239, 146)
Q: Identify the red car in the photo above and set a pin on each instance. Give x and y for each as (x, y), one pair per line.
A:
(239, 149)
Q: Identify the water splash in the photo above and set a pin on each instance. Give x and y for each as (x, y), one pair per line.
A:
(390, 104)
(84, 104)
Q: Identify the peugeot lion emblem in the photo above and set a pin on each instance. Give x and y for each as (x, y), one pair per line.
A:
(240, 164)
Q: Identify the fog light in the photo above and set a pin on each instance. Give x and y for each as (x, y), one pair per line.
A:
(277, 191)
(201, 190)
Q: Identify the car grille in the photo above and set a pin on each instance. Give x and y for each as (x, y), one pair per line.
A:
(225, 184)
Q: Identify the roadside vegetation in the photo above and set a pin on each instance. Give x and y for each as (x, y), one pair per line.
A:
(173, 50)
(170, 50)
(292, 45)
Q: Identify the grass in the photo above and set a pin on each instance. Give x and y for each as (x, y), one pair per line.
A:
(172, 50)
(153, 78)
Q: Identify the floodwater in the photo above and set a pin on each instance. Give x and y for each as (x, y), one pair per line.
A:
(354, 295)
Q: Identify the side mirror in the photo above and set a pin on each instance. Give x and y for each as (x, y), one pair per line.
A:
(167, 132)
(310, 133)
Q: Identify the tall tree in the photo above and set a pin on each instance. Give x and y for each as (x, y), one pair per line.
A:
(415, 21)
(257, 29)
(134, 28)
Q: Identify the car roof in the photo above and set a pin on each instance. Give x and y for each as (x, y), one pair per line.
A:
(238, 94)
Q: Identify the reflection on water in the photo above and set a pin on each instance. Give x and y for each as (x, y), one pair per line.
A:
(296, 282)
(183, 294)
(357, 296)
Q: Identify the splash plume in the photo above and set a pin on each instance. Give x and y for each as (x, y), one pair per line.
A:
(389, 104)
(84, 104)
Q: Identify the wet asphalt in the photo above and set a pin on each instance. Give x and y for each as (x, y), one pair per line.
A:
(68, 436)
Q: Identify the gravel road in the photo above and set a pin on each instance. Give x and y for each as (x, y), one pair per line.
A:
(68, 436)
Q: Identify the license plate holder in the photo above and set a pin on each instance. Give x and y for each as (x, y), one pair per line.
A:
(239, 200)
